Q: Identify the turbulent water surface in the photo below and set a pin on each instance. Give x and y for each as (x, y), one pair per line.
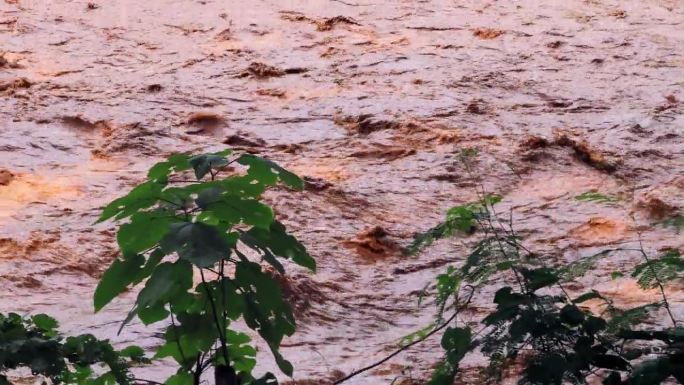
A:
(369, 101)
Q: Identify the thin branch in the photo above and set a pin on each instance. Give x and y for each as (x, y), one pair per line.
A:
(184, 181)
(224, 349)
(351, 4)
(405, 347)
(658, 281)
(169, 202)
(224, 302)
(135, 379)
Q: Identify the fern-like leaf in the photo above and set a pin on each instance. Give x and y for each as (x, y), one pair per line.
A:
(594, 196)
(581, 266)
(676, 222)
(622, 319)
(666, 268)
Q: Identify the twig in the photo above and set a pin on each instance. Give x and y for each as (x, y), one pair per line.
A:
(405, 347)
(351, 4)
(658, 281)
(222, 337)
(147, 381)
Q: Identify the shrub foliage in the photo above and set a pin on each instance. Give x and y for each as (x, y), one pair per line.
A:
(535, 322)
(214, 225)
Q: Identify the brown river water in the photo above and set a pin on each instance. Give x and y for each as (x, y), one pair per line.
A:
(369, 101)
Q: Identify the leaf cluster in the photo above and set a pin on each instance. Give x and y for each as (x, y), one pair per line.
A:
(216, 225)
(537, 324)
(34, 343)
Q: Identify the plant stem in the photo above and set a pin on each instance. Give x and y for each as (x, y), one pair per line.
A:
(405, 347)
(222, 338)
(658, 281)
(198, 372)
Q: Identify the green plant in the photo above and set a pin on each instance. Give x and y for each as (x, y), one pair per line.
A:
(34, 343)
(537, 323)
(214, 225)
(652, 273)
(676, 222)
(595, 196)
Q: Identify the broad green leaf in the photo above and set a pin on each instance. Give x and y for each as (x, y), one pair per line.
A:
(242, 185)
(179, 197)
(122, 273)
(199, 243)
(118, 276)
(46, 323)
(202, 164)
(143, 232)
(81, 373)
(169, 283)
(209, 196)
(151, 314)
(571, 314)
(508, 306)
(456, 343)
(105, 379)
(267, 172)
(540, 278)
(442, 375)
(135, 353)
(650, 372)
(191, 334)
(265, 311)
(242, 355)
(153, 260)
(233, 209)
(593, 325)
(86, 350)
(142, 196)
(277, 241)
(176, 162)
(228, 300)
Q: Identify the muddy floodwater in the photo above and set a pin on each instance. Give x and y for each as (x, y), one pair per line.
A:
(370, 101)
